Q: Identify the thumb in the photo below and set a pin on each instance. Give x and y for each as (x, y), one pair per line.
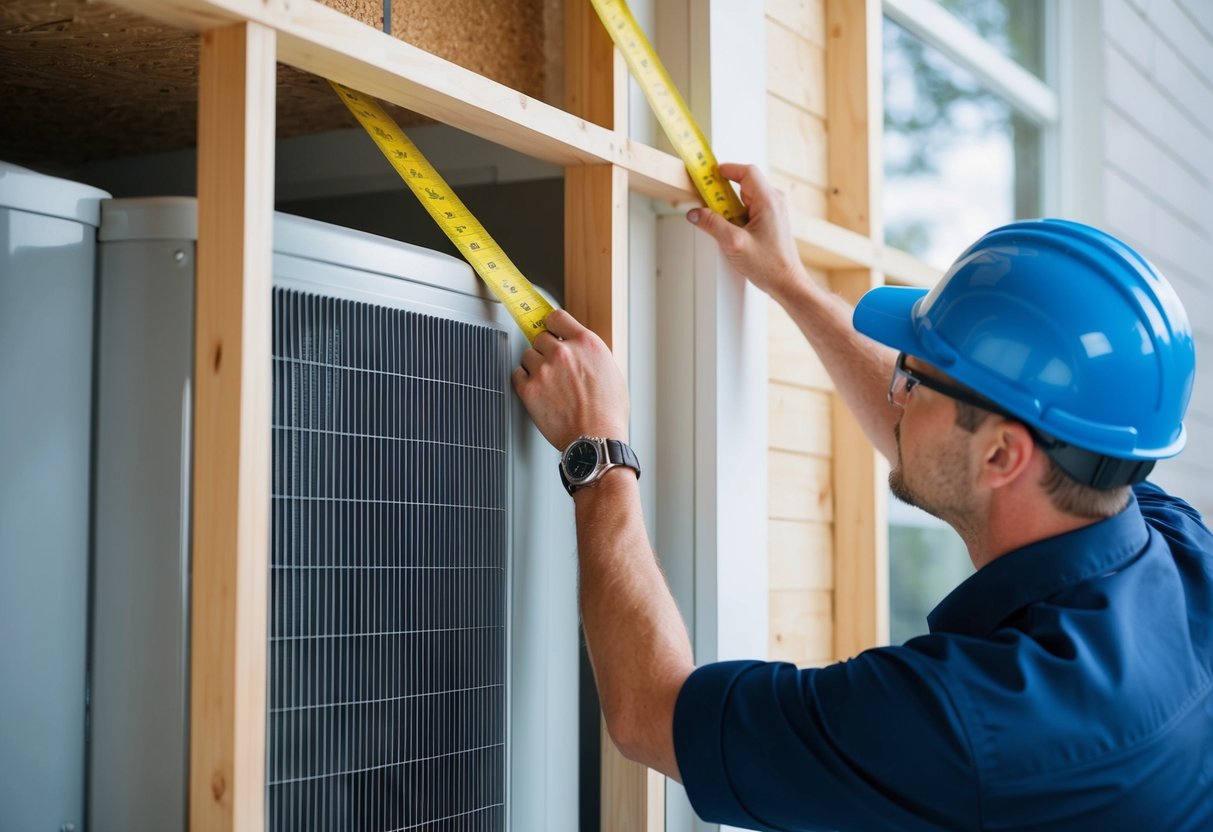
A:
(727, 235)
(716, 226)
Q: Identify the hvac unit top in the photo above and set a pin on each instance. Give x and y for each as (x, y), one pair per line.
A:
(422, 633)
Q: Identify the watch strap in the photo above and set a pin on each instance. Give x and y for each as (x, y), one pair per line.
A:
(620, 453)
(617, 454)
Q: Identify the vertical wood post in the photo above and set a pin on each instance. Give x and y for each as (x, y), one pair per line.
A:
(231, 491)
(596, 293)
(854, 113)
(861, 535)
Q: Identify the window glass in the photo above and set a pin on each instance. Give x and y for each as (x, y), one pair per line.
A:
(1014, 27)
(958, 159)
(927, 560)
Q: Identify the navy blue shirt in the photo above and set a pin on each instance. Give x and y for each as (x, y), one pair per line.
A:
(1067, 685)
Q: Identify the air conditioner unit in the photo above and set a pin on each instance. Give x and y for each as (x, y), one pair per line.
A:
(47, 269)
(422, 628)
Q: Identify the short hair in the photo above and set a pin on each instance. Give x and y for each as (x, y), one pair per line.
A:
(1066, 494)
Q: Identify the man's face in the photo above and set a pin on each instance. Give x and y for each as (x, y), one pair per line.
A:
(934, 469)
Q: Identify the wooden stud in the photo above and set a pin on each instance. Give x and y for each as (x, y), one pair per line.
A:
(632, 796)
(861, 539)
(231, 483)
(596, 252)
(855, 115)
(595, 74)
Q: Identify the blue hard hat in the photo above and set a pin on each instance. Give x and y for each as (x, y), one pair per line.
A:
(1061, 326)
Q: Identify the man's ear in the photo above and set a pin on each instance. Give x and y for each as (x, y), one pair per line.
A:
(1007, 451)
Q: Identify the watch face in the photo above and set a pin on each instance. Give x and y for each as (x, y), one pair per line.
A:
(580, 460)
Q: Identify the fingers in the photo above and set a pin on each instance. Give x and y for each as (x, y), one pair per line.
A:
(734, 171)
(531, 360)
(561, 324)
(519, 377)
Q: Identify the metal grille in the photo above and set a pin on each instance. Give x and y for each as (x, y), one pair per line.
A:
(387, 649)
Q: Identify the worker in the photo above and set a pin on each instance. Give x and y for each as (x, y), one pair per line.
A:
(1068, 683)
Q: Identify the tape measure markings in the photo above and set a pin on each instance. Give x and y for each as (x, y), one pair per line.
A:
(670, 108)
(521, 299)
(526, 306)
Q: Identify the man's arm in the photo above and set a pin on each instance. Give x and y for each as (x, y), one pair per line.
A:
(637, 642)
(765, 253)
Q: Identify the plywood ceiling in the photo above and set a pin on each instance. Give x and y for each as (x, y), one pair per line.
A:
(82, 81)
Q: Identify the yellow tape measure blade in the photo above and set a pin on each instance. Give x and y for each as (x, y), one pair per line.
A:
(671, 110)
(522, 300)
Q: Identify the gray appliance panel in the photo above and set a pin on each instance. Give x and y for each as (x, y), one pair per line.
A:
(542, 664)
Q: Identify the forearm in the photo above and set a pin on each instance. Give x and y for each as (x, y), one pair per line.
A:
(764, 251)
(637, 641)
(859, 367)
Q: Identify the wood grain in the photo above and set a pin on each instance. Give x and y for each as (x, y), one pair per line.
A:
(231, 481)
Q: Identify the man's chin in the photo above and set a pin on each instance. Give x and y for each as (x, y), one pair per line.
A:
(899, 489)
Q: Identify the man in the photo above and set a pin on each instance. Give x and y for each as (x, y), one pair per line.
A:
(1068, 684)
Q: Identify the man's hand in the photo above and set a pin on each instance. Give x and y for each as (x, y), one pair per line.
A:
(570, 384)
(764, 251)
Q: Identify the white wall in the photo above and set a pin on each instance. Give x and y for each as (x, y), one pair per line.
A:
(1157, 181)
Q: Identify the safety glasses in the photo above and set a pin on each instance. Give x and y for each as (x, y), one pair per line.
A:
(905, 380)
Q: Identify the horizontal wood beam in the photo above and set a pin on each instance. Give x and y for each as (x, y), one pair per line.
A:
(325, 42)
(905, 269)
(318, 39)
(824, 245)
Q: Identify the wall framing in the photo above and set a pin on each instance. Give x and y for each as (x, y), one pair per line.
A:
(235, 144)
(231, 464)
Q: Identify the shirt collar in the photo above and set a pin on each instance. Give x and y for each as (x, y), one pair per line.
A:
(1041, 569)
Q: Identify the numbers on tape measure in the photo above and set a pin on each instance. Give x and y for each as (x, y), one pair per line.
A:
(671, 111)
(526, 306)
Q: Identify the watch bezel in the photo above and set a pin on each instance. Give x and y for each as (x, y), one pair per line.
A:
(595, 443)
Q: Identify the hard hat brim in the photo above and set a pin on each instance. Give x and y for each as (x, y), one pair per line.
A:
(886, 315)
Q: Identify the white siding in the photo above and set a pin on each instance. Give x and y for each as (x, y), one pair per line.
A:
(1157, 181)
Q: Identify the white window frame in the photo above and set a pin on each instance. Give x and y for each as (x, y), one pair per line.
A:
(1062, 186)
(1028, 95)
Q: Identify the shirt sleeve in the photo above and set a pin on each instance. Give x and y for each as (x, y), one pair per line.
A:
(873, 743)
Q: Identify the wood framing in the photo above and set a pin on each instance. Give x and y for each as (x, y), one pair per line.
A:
(231, 483)
(604, 164)
(855, 115)
(861, 537)
(595, 75)
(320, 40)
(596, 293)
(325, 42)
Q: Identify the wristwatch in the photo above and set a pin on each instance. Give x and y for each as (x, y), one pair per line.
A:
(587, 458)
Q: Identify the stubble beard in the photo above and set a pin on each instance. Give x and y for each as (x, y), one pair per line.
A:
(897, 478)
(943, 494)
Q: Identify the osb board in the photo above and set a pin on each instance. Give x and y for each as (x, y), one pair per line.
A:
(82, 81)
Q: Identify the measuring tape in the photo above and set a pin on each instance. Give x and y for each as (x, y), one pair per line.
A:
(672, 113)
(522, 300)
(526, 306)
